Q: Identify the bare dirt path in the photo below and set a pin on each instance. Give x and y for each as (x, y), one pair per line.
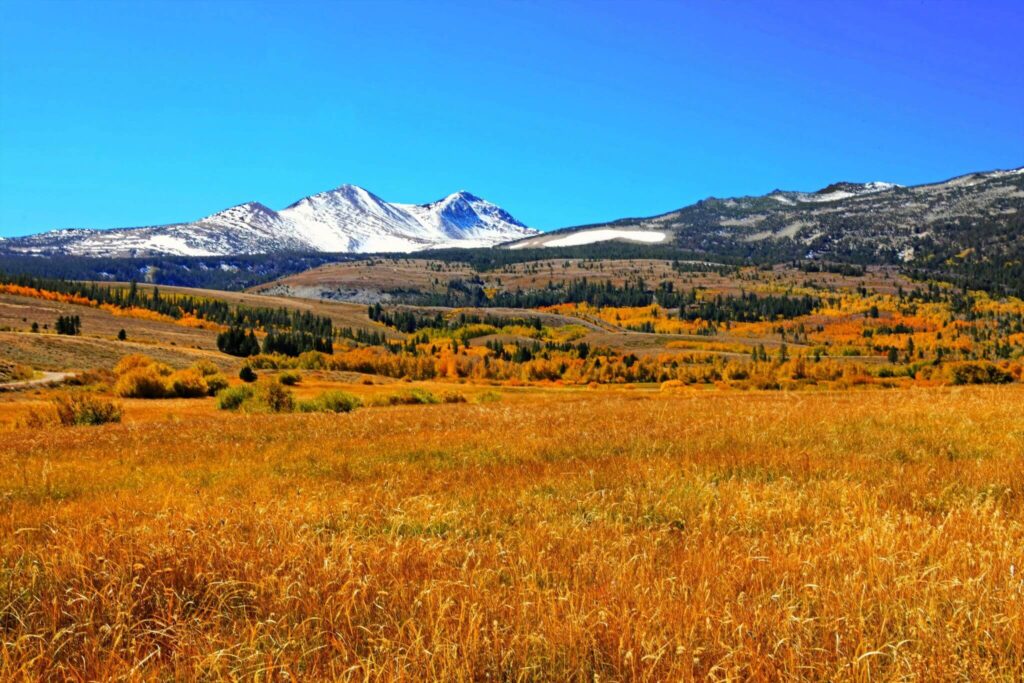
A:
(46, 379)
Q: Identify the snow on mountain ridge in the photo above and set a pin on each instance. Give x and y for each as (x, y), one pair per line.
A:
(465, 217)
(346, 219)
(840, 221)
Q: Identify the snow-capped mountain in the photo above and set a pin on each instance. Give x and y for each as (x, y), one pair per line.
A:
(348, 219)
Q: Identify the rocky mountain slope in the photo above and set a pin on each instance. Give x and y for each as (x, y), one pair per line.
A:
(867, 222)
(348, 219)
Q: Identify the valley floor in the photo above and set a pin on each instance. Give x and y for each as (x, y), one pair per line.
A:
(527, 534)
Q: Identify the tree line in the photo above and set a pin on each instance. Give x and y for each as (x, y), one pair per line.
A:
(288, 331)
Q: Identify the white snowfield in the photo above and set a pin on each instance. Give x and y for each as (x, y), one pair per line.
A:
(344, 220)
(172, 245)
(582, 237)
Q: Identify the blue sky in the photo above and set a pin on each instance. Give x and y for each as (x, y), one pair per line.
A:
(142, 112)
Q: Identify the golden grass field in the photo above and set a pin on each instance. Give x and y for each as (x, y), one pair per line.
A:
(556, 534)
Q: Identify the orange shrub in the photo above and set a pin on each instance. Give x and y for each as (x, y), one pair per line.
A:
(84, 409)
(141, 382)
(188, 384)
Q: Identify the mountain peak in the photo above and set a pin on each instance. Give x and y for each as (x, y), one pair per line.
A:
(243, 209)
(348, 218)
(349, 189)
(464, 194)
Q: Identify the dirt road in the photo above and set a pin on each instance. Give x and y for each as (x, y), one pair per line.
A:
(47, 379)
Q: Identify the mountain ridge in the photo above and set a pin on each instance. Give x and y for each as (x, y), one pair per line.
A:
(878, 221)
(975, 217)
(346, 219)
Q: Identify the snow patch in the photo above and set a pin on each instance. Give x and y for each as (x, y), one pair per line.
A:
(829, 197)
(599, 235)
(879, 186)
(745, 222)
(172, 245)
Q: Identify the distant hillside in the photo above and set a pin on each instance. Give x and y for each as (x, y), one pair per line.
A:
(971, 226)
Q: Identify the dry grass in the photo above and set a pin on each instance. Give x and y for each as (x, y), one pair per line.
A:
(604, 535)
(17, 313)
(386, 274)
(59, 352)
(341, 314)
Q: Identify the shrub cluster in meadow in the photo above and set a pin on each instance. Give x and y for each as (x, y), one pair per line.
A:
(289, 378)
(330, 402)
(308, 360)
(72, 409)
(265, 396)
(85, 409)
(232, 398)
(139, 376)
(417, 396)
(972, 372)
(273, 396)
(406, 398)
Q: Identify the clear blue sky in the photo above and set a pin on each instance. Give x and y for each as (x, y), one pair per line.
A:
(143, 112)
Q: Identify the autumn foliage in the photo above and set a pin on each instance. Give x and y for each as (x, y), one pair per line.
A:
(139, 376)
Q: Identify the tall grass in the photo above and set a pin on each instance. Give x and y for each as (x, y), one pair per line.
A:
(576, 536)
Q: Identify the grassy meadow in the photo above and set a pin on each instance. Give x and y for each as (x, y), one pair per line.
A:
(538, 534)
(777, 475)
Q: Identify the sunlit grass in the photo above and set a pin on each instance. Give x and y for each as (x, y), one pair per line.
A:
(580, 535)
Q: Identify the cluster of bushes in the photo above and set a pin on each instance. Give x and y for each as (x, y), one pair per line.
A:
(232, 398)
(330, 402)
(289, 379)
(139, 376)
(74, 409)
(270, 396)
(406, 398)
(417, 396)
(85, 409)
(273, 396)
(266, 396)
(972, 372)
(308, 360)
